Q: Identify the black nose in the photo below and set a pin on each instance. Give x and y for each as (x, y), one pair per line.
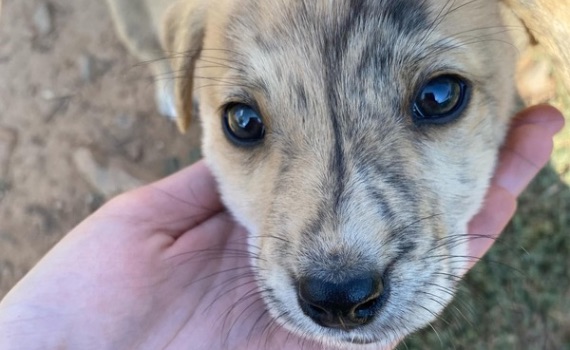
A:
(344, 305)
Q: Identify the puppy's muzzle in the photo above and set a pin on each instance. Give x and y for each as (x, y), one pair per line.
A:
(345, 304)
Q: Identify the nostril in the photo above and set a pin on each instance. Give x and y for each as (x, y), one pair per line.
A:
(315, 311)
(367, 308)
(344, 304)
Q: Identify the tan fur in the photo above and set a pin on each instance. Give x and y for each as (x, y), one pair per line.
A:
(548, 21)
(431, 179)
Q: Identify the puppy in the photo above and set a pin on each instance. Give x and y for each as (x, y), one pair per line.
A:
(354, 139)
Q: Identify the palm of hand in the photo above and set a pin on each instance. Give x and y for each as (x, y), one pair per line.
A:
(156, 278)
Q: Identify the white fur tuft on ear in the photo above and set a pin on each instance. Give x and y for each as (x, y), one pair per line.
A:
(182, 35)
(164, 97)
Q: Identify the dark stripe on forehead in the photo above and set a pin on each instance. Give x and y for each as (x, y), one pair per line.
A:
(404, 17)
(335, 44)
(367, 20)
(337, 160)
(378, 23)
(408, 16)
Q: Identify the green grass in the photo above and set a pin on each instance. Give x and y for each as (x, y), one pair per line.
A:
(519, 296)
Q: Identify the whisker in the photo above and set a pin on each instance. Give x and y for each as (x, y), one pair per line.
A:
(217, 273)
(256, 301)
(221, 293)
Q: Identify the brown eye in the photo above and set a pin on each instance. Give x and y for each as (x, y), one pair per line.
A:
(243, 125)
(441, 100)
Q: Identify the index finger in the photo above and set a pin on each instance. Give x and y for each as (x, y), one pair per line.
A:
(528, 147)
(525, 152)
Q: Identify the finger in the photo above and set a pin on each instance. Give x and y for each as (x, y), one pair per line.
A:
(526, 151)
(172, 205)
(194, 185)
(210, 238)
(498, 208)
(544, 115)
(528, 148)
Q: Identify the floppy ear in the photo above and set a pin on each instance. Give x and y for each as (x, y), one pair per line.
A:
(549, 23)
(182, 36)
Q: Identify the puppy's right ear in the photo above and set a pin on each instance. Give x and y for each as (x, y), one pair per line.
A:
(182, 37)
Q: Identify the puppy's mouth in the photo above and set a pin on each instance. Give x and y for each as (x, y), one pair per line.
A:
(349, 306)
(346, 310)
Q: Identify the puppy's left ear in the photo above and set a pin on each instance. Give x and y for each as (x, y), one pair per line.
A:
(549, 23)
(182, 37)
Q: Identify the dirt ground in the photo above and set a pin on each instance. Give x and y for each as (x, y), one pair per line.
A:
(78, 124)
(70, 95)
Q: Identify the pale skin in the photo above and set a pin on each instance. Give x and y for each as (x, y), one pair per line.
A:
(129, 275)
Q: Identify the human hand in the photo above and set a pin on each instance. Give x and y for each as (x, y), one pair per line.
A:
(165, 266)
(526, 151)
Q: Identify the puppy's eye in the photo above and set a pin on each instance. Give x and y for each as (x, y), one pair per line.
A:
(441, 100)
(243, 125)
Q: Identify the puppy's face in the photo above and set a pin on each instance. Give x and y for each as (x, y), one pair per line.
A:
(355, 140)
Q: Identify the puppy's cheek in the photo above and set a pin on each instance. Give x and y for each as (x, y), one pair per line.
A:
(232, 191)
(244, 197)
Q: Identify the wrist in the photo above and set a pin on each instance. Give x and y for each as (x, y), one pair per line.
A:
(30, 327)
